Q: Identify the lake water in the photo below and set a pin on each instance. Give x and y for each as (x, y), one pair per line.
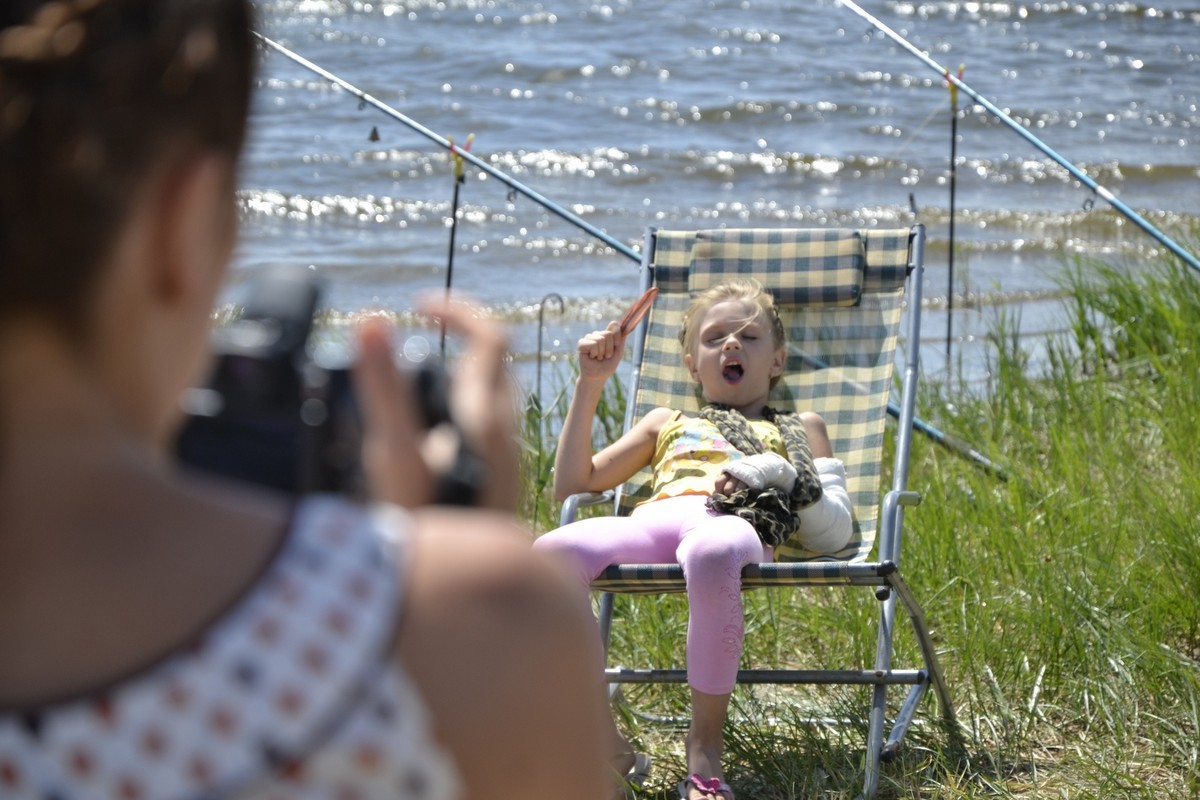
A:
(713, 113)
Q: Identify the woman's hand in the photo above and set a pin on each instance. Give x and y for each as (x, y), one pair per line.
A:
(600, 353)
(402, 460)
(481, 400)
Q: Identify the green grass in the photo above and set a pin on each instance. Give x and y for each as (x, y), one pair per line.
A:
(1065, 602)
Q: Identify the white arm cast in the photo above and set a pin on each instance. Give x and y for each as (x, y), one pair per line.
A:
(762, 470)
(826, 525)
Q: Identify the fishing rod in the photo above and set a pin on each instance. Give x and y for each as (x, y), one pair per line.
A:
(999, 114)
(446, 144)
(953, 183)
(459, 178)
(894, 410)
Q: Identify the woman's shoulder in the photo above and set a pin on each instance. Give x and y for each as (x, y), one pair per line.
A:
(461, 556)
(452, 567)
(491, 634)
(498, 638)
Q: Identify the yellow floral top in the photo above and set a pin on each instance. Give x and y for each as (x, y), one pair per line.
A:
(690, 453)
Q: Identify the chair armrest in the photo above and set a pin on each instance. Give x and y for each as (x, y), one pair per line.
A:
(889, 522)
(573, 503)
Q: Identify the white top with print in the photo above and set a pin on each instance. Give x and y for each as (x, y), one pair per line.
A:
(289, 695)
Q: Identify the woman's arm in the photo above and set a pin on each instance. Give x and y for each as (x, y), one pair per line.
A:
(503, 650)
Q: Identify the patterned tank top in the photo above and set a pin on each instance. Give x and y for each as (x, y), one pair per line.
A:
(690, 453)
(291, 694)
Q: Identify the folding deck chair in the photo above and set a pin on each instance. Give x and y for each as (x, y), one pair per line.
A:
(840, 294)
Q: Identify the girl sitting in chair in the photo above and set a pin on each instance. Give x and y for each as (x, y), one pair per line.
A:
(728, 486)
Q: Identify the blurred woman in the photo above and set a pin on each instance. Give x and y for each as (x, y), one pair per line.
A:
(164, 634)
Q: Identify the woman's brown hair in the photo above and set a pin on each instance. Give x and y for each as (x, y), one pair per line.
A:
(94, 94)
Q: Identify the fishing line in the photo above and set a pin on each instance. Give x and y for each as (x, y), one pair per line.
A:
(999, 114)
(912, 137)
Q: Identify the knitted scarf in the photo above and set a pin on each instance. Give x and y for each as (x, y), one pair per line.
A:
(771, 511)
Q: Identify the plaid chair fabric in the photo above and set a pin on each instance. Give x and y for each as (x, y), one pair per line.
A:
(840, 295)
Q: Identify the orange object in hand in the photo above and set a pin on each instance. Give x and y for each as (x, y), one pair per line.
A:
(638, 310)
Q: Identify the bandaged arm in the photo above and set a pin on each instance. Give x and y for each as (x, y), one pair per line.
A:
(763, 470)
(827, 525)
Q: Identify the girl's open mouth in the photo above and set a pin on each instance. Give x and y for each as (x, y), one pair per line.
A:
(732, 373)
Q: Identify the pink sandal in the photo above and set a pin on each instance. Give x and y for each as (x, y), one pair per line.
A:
(708, 786)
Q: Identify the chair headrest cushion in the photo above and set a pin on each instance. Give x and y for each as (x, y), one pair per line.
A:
(812, 267)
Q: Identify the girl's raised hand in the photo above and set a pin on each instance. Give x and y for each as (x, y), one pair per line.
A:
(600, 353)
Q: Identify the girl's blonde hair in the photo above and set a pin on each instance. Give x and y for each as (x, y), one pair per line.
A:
(747, 290)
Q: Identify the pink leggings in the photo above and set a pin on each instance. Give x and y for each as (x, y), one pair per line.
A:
(712, 548)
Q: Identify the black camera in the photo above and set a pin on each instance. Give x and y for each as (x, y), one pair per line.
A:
(271, 416)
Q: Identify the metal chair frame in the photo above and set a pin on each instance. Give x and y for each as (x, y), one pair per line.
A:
(883, 571)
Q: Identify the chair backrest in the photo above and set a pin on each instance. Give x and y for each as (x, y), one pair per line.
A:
(839, 292)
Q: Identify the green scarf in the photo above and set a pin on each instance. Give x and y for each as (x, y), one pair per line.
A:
(771, 511)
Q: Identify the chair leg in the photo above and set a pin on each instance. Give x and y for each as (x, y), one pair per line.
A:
(878, 712)
(937, 678)
(606, 616)
(891, 748)
(874, 740)
(928, 651)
